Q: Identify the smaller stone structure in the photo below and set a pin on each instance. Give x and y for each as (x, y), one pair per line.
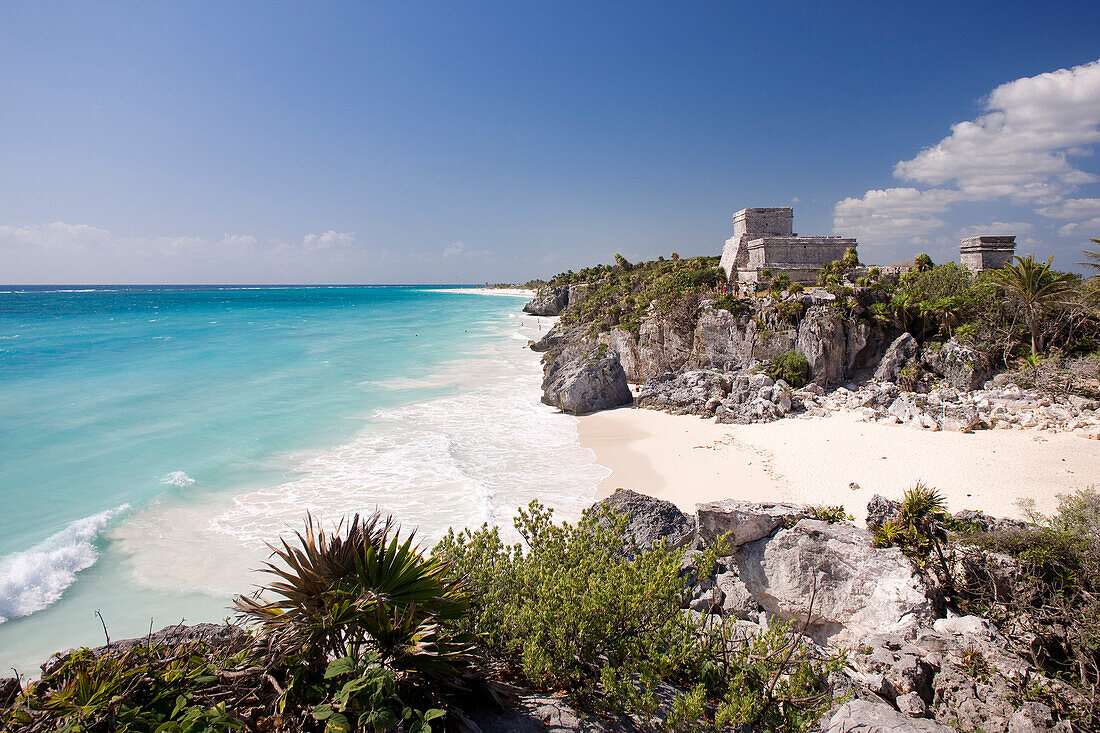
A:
(979, 254)
(763, 239)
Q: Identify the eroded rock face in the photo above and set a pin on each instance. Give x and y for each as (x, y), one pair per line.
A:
(962, 367)
(899, 354)
(652, 520)
(586, 380)
(822, 340)
(662, 347)
(857, 589)
(745, 521)
(625, 344)
(548, 302)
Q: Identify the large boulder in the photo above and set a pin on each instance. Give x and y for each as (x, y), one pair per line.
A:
(695, 392)
(865, 716)
(822, 340)
(745, 521)
(856, 589)
(754, 398)
(899, 354)
(963, 367)
(651, 520)
(586, 380)
(548, 302)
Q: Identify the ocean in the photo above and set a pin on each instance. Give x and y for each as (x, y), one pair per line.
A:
(152, 440)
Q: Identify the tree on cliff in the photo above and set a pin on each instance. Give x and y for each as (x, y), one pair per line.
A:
(1034, 287)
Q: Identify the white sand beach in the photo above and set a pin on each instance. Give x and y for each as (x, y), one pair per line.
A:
(833, 460)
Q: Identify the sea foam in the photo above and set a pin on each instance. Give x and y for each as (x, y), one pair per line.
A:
(34, 578)
(459, 460)
(177, 478)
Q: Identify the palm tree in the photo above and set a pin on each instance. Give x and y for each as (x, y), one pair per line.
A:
(922, 513)
(359, 591)
(1094, 256)
(1035, 286)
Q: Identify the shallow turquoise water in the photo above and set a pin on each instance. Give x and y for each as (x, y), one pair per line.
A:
(152, 440)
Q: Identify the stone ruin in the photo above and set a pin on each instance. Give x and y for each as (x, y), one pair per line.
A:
(979, 254)
(763, 239)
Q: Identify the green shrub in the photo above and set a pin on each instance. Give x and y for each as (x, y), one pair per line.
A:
(585, 611)
(792, 368)
(578, 600)
(170, 688)
(832, 514)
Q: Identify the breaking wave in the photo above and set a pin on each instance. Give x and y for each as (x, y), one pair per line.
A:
(33, 579)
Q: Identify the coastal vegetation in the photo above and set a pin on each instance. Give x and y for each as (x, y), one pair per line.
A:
(623, 294)
(1035, 581)
(359, 630)
(1019, 315)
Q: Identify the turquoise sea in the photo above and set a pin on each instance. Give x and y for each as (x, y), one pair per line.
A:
(153, 439)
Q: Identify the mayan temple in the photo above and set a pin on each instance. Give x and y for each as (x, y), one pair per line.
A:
(764, 240)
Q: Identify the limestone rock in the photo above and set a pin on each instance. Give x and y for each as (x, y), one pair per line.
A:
(651, 520)
(987, 523)
(625, 344)
(548, 302)
(526, 711)
(696, 392)
(822, 340)
(662, 347)
(857, 589)
(912, 705)
(558, 339)
(864, 716)
(961, 366)
(584, 382)
(737, 601)
(745, 521)
(900, 354)
(880, 510)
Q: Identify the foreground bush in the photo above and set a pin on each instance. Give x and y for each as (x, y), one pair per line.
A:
(586, 611)
(360, 631)
(1053, 597)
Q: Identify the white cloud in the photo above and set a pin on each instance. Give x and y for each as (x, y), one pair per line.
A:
(1072, 209)
(54, 234)
(62, 252)
(894, 213)
(1018, 151)
(1019, 147)
(997, 227)
(1088, 229)
(328, 240)
(461, 249)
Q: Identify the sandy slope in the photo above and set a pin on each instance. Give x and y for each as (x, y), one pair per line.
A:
(687, 460)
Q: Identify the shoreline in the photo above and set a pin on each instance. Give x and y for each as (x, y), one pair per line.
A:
(815, 460)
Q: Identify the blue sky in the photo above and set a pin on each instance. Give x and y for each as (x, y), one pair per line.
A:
(206, 142)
